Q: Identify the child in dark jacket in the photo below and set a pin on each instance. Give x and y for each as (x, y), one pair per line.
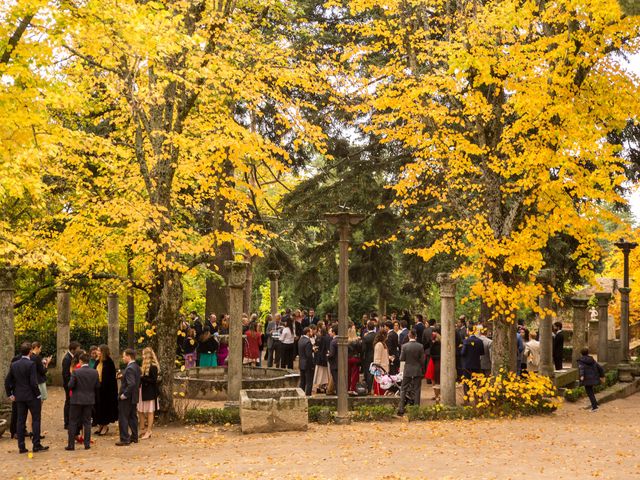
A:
(590, 374)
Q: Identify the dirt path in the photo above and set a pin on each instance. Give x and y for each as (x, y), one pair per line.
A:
(567, 445)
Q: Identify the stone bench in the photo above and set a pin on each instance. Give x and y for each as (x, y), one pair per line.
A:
(273, 410)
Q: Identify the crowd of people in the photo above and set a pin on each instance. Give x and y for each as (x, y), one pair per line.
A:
(380, 347)
(93, 398)
(378, 340)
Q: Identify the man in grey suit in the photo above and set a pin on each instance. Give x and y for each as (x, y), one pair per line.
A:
(307, 367)
(84, 383)
(412, 354)
(128, 400)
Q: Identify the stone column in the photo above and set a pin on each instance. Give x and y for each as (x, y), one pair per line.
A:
(7, 326)
(545, 333)
(274, 275)
(113, 318)
(603, 325)
(579, 340)
(448, 346)
(236, 277)
(63, 325)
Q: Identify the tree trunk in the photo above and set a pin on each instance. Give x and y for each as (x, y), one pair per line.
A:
(381, 302)
(217, 295)
(504, 347)
(7, 331)
(169, 304)
(131, 306)
(248, 287)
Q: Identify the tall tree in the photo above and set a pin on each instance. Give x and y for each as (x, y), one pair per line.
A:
(171, 86)
(504, 106)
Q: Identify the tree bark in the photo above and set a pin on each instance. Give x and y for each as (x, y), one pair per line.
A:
(504, 347)
(169, 304)
(248, 287)
(131, 305)
(7, 326)
(217, 295)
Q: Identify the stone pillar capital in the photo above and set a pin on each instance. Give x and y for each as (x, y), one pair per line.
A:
(579, 302)
(447, 285)
(273, 275)
(236, 273)
(603, 298)
(624, 290)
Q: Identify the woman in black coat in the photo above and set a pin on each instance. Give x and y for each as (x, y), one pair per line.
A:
(590, 374)
(149, 391)
(106, 409)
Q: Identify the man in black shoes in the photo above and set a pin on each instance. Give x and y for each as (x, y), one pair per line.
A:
(84, 384)
(21, 386)
(128, 400)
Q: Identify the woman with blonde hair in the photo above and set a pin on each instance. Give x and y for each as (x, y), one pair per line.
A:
(354, 350)
(147, 403)
(380, 357)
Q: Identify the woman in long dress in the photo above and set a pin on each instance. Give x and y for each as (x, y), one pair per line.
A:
(321, 375)
(106, 410)
(380, 357)
(147, 403)
(354, 352)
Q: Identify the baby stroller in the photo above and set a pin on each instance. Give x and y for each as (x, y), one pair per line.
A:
(389, 383)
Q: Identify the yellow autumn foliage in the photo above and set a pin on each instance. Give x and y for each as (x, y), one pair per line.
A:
(504, 107)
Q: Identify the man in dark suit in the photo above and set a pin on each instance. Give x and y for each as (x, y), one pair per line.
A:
(419, 326)
(472, 350)
(312, 319)
(403, 336)
(412, 354)
(197, 323)
(21, 386)
(307, 367)
(85, 384)
(558, 345)
(128, 399)
(332, 356)
(393, 347)
(367, 353)
(66, 375)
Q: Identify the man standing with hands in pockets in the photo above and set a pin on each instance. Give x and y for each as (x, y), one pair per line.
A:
(128, 399)
(21, 386)
(84, 384)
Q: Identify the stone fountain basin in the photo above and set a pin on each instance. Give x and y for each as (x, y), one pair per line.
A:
(210, 383)
(3, 426)
(273, 410)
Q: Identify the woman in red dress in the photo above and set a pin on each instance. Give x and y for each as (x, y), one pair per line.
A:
(251, 345)
(433, 369)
